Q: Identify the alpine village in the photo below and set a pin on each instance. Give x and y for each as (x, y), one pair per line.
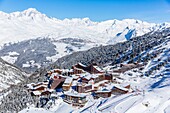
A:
(75, 86)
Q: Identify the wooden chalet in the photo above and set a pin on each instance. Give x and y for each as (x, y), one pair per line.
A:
(44, 93)
(104, 93)
(57, 82)
(126, 85)
(39, 84)
(95, 77)
(98, 77)
(93, 69)
(117, 90)
(59, 71)
(125, 67)
(101, 83)
(75, 98)
(75, 70)
(40, 88)
(82, 88)
(80, 66)
(86, 78)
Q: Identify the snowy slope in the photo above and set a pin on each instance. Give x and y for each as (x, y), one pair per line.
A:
(32, 54)
(9, 75)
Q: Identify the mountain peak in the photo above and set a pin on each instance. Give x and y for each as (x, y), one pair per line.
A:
(31, 11)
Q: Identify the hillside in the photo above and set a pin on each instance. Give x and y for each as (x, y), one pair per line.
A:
(134, 50)
(10, 75)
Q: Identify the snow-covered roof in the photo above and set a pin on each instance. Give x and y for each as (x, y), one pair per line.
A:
(75, 76)
(36, 93)
(75, 94)
(68, 80)
(30, 86)
(87, 84)
(114, 73)
(98, 68)
(94, 75)
(101, 82)
(74, 83)
(45, 86)
(88, 76)
(125, 84)
(103, 90)
(82, 64)
(120, 87)
(54, 74)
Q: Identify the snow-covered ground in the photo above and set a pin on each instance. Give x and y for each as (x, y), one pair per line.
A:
(11, 57)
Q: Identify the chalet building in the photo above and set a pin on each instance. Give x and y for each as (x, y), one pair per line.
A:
(117, 90)
(59, 71)
(104, 93)
(95, 77)
(67, 84)
(56, 83)
(45, 93)
(98, 77)
(40, 88)
(101, 83)
(115, 74)
(86, 78)
(93, 69)
(35, 93)
(75, 99)
(80, 66)
(75, 70)
(125, 67)
(126, 85)
(83, 88)
(39, 84)
(74, 85)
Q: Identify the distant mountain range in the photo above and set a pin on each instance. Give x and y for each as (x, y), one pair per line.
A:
(30, 23)
(60, 37)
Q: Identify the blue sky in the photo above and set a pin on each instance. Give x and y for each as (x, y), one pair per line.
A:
(157, 11)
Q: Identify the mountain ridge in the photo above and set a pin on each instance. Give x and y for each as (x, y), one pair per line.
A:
(22, 23)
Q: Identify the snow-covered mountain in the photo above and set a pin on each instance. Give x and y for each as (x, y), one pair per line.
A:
(28, 24)
(21, 30)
